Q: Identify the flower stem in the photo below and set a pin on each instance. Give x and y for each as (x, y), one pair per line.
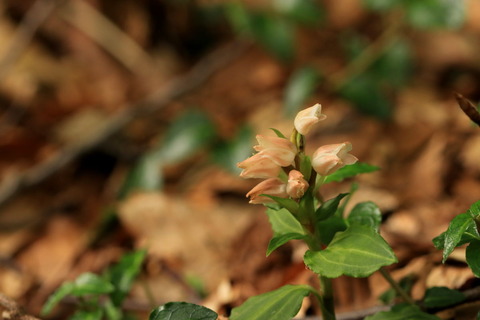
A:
(402, 293)
(327, 303)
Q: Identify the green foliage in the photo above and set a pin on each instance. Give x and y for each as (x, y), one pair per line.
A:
(350, 171)
(285, 228)
(289, 204)
(188, 134)
(428, 14)
(366, 213)
(280, 240)
(306, 12)
(472, 255)
(280, 304)
(357, 252)
(328, 228)
(329, 207)
(229, 153)
(442, 297)
(402, 312)
(406, 283)
(114, 285)
(300, 87)
(182, 311)
(380, 5)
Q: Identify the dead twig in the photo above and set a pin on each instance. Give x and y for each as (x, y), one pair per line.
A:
(11, 311)
(468, 108)
(154, 102)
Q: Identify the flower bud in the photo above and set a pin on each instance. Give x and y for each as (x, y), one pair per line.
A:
(328, 159)
(306, 118)
(272, 186)
(279, 150)
(259, 166)
(296, 185)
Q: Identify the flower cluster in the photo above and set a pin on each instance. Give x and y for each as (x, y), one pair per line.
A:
(276, 161)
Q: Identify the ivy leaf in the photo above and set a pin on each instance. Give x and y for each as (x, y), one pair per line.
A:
(350, 171)
(283, 222)
(329, 207)
(280, 304)
(182, 311)
(454, 233)
(280, 240)
(442, 297)
(473, 258)
(357, 252)
(402, 312)
(367, 214)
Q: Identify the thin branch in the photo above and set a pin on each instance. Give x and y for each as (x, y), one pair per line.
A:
(154, 102)
(468, 108)
(32, 20)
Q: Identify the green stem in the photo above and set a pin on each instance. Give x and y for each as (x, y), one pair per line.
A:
(327, 303)
(395, 286)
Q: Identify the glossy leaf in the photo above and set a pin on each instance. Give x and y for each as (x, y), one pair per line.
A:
(468, 236)
(436, 297)
(357, 252)
(474, 209)
(280, 240)
(123, 274)
(403, 312)
(473, 257)
(428, 14)
(283, 222)
(350, 171)
(299, 89)
(280, 304)
(182, 311)
(367, 214)
(454, 233)
(329, 207)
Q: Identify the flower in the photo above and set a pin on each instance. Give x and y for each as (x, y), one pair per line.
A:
(296, 185)
(272, 186)
(329, 158)
(279, 150)
(305, 119)
(259, 166)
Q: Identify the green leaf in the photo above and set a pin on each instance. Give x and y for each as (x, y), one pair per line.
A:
(380, 5)
(350, 171)
(366, 213)
(124, 273)
(281, 304)
(367, 95)
(146, 175)
(90, 283)
(329, 207)
(278, 241)
(402, 312)
(289, 204)
(182, 311)
(278, 133)
(427, 14)
(64, 290)
(329, 228)
(300, 87)
(229, 153)
(436, 297)
(473, 257)
(188, 133)
(474, 209)
(468, 236)
(357, 252)
(307, 12)
(454, 233)
(87, 315)
(283, 222)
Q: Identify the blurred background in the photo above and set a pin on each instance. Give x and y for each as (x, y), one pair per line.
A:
(121, 123)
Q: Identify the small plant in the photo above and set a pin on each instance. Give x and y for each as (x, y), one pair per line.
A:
(100, 297)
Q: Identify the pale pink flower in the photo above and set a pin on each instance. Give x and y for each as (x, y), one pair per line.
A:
(306, 118)
(272, 187)
(279, 150)
(328, 159)
(259, 166)
(296, 185)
